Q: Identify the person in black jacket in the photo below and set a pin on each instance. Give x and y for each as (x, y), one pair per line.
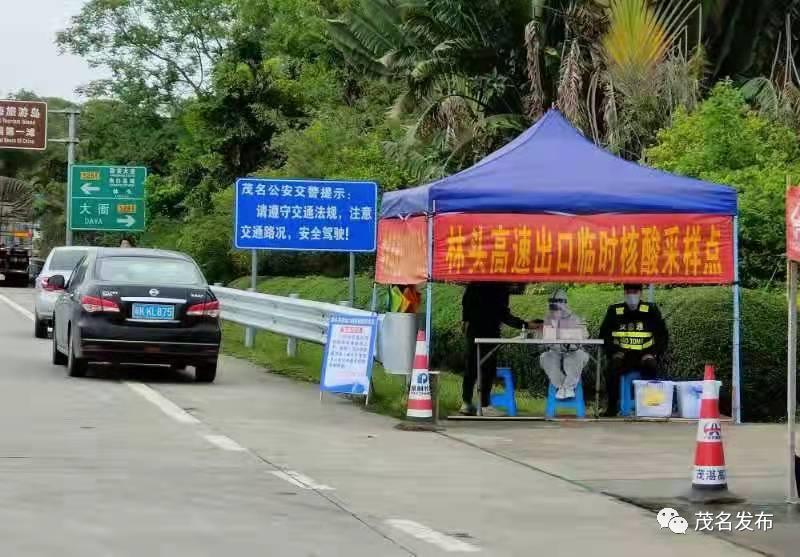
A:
(635, 338)
(485, 307)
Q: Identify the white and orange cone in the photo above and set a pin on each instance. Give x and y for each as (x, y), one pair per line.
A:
(710, 476)
(420, 403)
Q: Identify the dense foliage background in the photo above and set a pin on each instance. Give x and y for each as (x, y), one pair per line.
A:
(403, 91)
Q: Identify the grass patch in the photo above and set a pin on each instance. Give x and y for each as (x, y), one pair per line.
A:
(389, 395)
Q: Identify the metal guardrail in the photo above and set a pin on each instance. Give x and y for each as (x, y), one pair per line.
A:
(291, 317)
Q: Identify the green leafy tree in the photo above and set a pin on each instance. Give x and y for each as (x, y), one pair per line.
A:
(344, 142)
(114, 132)
(724, 141)
(461, 66)
(228, 132)
(155, 49)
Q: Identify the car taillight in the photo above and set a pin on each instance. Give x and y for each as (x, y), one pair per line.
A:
(207, 309)
(95, 304)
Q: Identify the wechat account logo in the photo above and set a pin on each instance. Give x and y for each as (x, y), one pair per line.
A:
(669, 518)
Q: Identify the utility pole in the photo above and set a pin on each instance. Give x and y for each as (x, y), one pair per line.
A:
(72, 142)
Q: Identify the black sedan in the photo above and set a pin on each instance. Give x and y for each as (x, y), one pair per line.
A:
(136, 306)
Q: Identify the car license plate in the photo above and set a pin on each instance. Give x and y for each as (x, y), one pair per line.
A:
(2, 276)
(153, 312)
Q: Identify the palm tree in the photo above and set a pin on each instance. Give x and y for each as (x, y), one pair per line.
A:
(461, 63)
(649, 69)
(741, 35)
(778, 96)
(475, 73)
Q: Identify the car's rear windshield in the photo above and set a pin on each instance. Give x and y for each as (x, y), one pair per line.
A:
(148, 270)
(66, 259)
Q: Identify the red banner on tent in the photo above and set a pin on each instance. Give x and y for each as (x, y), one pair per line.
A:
(656, 248)
(793, 223)
(402, 251)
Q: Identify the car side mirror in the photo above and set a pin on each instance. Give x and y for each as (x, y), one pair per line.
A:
(56, 282)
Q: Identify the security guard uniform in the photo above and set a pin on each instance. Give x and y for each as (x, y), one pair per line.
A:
(634, 339)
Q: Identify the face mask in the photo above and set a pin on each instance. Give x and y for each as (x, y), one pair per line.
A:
(632, 300)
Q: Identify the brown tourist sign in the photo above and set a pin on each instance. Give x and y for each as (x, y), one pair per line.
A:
(23, 125)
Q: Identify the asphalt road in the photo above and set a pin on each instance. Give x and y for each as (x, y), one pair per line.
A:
(137, 461)
(92, 467)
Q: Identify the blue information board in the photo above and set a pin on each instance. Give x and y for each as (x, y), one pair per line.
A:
(307, 215)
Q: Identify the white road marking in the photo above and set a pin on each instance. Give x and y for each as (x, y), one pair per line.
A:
(224, 442)
(299, 480)
(15, 306)
(165, 405)
(422, 532)
(286, 477)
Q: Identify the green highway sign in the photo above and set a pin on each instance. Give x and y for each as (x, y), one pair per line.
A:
(108, 198)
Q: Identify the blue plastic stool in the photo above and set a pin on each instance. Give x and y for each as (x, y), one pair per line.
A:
(576, 402)
(506, 399)
(626, 401)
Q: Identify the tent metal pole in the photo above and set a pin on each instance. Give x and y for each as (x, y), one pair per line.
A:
(429, 289)
(736, 402)
(791, 381)
(373, 304)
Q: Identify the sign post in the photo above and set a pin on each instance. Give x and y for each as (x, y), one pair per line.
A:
(307, 215)
(107, 198)
(250, 332)
(314, 215)
(351, 282)
(72, 143)
(792, 257)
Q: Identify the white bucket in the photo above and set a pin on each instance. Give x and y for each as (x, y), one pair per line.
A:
(689, 395)
(653, 398)
(397, 341)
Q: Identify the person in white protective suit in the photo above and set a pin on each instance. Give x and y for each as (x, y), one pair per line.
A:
(564, 363)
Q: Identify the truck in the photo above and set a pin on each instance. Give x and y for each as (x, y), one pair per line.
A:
(14, 263)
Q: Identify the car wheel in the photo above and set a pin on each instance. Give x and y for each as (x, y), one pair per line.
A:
(205, 373)
(76, 367)
(59, 359)
(39, 327)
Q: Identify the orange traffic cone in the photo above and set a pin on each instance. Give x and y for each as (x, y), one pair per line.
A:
(710, 477)
(420, 404)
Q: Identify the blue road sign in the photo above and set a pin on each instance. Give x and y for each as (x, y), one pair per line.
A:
(307, 215)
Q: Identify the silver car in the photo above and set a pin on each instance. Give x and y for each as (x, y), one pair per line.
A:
(61, 261)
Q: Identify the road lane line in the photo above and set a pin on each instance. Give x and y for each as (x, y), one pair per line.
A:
(422, 532)
(299, 480)
(286, 477)
(165, 405)
(224, 442)
(15, 306)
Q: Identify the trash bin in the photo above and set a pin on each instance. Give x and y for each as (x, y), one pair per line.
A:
(397, 340)
(689, 395)
(653, 398)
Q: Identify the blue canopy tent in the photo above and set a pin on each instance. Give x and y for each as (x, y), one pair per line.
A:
(553, 169)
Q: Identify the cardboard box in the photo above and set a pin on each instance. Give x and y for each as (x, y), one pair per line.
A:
(578, 333)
